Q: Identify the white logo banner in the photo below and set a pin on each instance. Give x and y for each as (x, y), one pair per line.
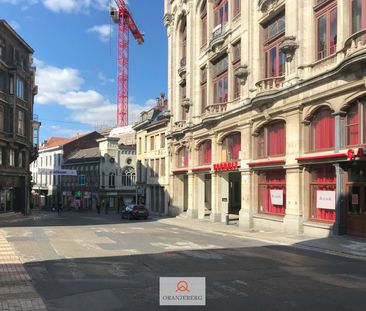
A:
(182, 291)
(60, 172)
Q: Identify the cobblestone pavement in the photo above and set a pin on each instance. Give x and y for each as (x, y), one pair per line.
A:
(16, 290)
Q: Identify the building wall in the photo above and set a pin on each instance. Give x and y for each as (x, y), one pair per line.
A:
(117, 170)
(153, 168)
(293, 96)
(17, 90)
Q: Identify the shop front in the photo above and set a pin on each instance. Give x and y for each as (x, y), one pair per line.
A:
(12, 194)
(355, 193)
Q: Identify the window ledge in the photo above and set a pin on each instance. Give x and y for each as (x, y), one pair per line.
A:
(318, 224)
(268, 217)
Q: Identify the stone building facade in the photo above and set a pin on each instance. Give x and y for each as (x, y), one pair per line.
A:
(18, 145)
(268, 104)
(153, 158)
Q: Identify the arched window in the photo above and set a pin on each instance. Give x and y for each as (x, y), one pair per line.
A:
(128, 176)
(183, 155)
(355, 123)
(271, 140)
(322, 130)
(103, 180)
(205, 153)
(112, 179)
(231, 147)
(203, 13)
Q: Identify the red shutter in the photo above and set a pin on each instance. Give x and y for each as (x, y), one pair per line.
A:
(276, 139)
(323, 130)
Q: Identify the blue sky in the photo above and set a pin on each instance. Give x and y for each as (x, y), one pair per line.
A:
(75, 56)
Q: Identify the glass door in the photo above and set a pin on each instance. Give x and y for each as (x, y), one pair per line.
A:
(356, 212)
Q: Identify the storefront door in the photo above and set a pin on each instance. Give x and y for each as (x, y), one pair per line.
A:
(356, 212)
(234, 193)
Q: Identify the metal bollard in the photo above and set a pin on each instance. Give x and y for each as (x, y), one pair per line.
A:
(227, 219)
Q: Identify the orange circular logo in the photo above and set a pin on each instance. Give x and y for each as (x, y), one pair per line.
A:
(182, 286)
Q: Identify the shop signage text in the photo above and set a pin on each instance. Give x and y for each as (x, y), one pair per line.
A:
(276, 197)
(325, 199)
(49, 171)
(352, 154)
(226, 166)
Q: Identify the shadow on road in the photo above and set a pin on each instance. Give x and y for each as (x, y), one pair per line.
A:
(40, 218)
(255, 278)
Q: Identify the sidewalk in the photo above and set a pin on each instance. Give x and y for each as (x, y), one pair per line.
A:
(337, 245)
(16, 289)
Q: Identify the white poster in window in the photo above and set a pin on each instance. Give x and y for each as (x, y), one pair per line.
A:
(354, 199)
(276, 197)
(325, 199)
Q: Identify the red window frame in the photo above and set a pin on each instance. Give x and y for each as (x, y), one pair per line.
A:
(323, 179)
(274, 59)
(221, 12)
(221, 85)
(183, 96)
(271, 140)
(236, 63)
(322, 134)
(204, 24)
(183, 157)
(203, 97)
(236, 7)
(231, 145)
(271, 180)
(353, 125)
(205, 153)
(361, 24)
(325, 12)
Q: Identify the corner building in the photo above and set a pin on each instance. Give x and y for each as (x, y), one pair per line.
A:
(268, 105)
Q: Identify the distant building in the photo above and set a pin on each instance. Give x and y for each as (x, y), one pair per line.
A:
(104, 173)
(18, 128)
(82, 191)
(153, 158)
(52, 154)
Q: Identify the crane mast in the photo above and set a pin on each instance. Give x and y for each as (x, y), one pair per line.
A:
(126, 23)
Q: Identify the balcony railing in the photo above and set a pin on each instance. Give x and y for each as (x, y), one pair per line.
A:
(35, 117)
(216, 108)
(269, 84)
(355, 42)
(180, 124)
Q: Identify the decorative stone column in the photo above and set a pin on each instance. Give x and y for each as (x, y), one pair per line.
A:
(192, 211)
(294, 200)
(340, 223)
(339, 125)
(246, 211)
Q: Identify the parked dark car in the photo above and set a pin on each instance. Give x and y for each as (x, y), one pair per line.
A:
(134, 211)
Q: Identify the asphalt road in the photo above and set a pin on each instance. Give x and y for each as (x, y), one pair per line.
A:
(82, 261)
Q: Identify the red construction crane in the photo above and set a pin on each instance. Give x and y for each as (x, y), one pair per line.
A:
(123, 18)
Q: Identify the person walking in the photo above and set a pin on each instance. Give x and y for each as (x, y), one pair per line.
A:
(98, 207)
(106, 207)
(59, 209)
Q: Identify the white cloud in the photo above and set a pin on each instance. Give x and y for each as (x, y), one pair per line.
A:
(103, 31)
(66, 6)
(64, 131)
(104, 79)
(63, 86)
